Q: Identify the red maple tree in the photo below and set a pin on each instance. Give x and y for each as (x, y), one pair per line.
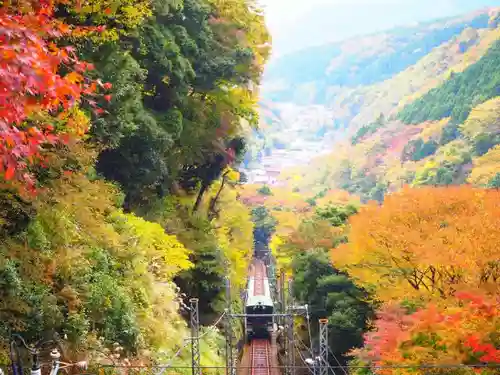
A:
(32, 84)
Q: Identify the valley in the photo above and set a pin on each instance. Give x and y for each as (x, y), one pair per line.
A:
(340, 93)
(143, 177)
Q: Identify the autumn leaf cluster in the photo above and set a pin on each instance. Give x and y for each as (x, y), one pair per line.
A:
(429, 255)
(123, 119)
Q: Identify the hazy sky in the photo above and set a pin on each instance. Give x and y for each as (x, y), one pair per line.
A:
(295, 24)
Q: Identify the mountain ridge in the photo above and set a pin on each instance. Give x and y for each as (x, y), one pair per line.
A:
(306, 65)
(351, 109)
(321, 22)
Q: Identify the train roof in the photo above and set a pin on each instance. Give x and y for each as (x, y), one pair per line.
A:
(262, 299)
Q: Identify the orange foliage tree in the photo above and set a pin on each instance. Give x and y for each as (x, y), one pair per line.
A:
(425, 242)
(41, 85)
(464, 332)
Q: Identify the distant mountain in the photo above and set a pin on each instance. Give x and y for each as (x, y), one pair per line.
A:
(387, 103)
(305, 76)
(435, 123)
(335, 20)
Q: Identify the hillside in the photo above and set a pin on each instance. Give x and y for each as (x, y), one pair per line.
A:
(417, 254)
(308, 75)
(383, 81)
(120, 124)
(319, 22)
(448, 133)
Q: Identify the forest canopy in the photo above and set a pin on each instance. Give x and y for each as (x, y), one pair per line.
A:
(118, 197)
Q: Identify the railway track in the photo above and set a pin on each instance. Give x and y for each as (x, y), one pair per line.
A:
(260, 358)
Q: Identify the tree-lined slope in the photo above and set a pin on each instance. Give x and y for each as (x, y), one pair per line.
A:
(346, 108)
(437, 139)
(364, 60)
(423, 147)
(118, 197)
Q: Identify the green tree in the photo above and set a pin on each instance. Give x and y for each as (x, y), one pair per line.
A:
(336, 215)
(459, 94)
(180, 90)
(264, 226)
(265, 190)
(417, 150)
(450, 133)
(368, 130)
(495, 182)
(331, 294)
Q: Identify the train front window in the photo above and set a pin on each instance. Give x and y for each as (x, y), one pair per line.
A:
(258, 310)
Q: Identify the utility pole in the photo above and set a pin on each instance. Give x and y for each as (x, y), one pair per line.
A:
(323, 347)
(281, 319)
(195, 337)
(271, 274)
(229, 331)
(282, 296)
(291, 342)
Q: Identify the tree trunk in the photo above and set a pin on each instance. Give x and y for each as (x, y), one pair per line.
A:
(211, 210)
(199, 198)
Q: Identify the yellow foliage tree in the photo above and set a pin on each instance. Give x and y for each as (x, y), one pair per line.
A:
(143, 239)
(432, 130)
(484, 119)
(93, 271)
(234, 231)
(247, 20)
(486, 167)
(337, 197)
(287, 222)
(126, 15)
(425, 242)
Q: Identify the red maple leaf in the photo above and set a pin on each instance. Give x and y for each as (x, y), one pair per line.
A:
(30, 82)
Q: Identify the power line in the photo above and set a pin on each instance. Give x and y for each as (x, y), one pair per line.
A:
(302, 357)
(309, 331)
(336, 360)
(169, 364)
(309, 349)
(187, 341)
(213, 326)
(423, 366)
(312, 354)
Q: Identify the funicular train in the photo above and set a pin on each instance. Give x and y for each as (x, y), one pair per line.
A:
(258, 302)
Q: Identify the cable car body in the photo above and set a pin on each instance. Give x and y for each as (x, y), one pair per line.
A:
(258, 302)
